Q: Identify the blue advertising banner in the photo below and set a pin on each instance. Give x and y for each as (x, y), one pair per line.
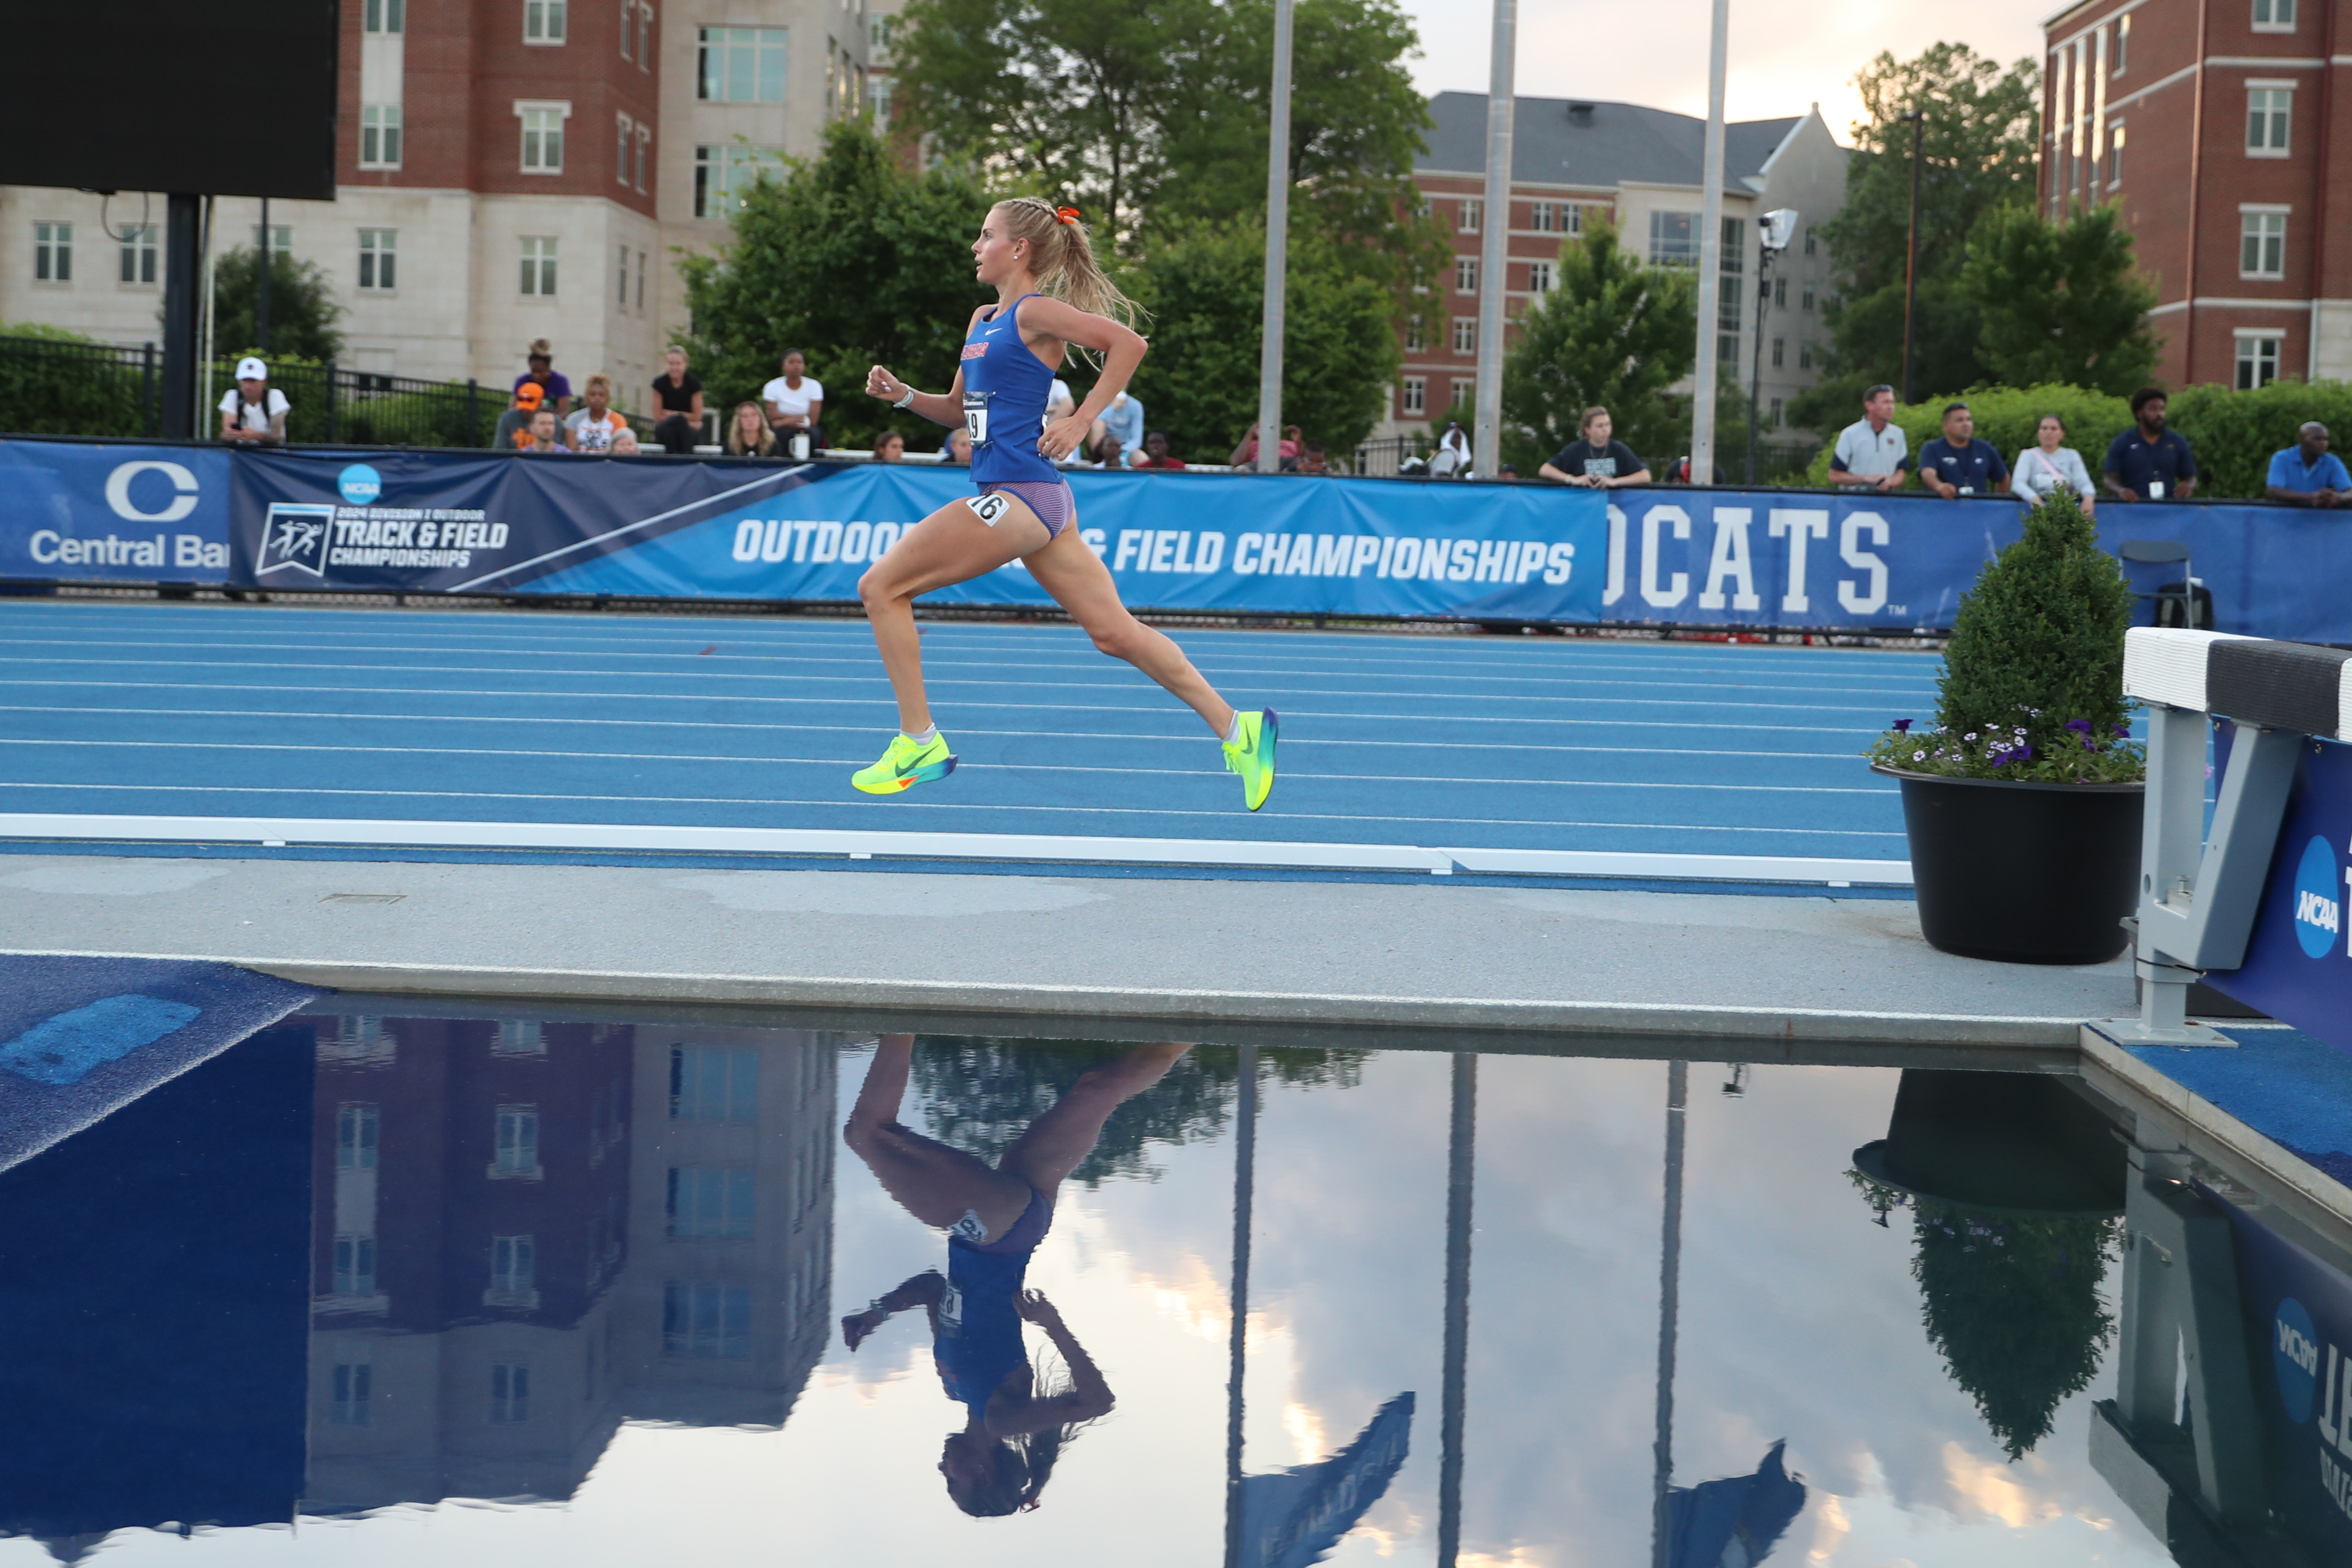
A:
(2298, 966)
(2299, 1311)
(450, 522)
(114, 513)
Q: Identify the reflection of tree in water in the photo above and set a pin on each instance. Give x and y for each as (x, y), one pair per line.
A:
(981, 1093)
(2012, 1303)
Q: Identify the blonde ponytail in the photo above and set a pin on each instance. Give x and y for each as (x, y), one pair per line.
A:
(1063, 258)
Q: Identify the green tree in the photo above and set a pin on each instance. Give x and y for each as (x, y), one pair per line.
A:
(302, 308)
(1155, 111)
(1615, 332)
(1976, 155)
(854, 260)
(1199, 381)
(2059, 302)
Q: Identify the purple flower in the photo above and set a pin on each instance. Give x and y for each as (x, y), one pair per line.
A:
(2081, 725)
(1901, 726)
(2122, 731)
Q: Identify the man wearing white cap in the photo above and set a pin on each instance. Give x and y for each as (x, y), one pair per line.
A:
(253, 413)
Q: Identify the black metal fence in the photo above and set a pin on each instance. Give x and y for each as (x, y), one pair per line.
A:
(1381, 457)
(49, 387)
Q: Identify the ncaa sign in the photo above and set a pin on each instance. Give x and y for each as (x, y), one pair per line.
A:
(2318, 919)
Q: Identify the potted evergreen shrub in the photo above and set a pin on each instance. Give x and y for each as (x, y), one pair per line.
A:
(2022, 801)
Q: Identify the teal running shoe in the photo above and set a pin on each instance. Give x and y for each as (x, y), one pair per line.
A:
(905, 765)
(1251, 754)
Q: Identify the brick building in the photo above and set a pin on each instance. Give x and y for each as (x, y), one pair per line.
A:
(507, 170)
(2218, 131)
(1572, 161)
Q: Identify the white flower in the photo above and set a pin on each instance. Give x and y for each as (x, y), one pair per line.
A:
(1971, 736)
(1919, 756)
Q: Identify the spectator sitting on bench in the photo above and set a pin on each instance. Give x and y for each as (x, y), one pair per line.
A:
(253, 413)
(677, 393)
(514, 425)
(890, 448)
(1155, 454)
(957, 448)
(2307, 474)
(624, 442)
(591, 428)
(544, 437)
(750, 434)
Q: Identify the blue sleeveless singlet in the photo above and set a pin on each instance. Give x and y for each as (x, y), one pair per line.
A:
(1004, 392)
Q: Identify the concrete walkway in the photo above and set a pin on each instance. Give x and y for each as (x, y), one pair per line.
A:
(1330, 954)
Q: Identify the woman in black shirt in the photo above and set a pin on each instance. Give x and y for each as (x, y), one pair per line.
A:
(1598, 460)
(679, 394)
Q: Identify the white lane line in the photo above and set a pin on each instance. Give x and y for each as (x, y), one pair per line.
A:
(1189, 738)
(904, 805)
(1033, 847)
(519, 754)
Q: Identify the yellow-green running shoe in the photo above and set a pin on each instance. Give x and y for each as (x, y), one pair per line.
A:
(905, 765)
(1251, 754)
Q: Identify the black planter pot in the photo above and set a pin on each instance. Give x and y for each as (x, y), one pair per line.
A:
(2022, 873)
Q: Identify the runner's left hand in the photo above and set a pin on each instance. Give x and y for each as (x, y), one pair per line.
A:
(1062, 437)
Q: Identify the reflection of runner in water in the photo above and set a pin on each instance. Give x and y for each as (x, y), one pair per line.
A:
(995, 1216)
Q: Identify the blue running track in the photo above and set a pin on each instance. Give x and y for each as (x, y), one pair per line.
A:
(704, 721)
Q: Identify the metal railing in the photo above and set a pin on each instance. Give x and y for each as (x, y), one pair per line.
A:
(53, 387)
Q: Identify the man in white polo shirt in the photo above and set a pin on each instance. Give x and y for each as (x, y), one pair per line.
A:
(1873, 450)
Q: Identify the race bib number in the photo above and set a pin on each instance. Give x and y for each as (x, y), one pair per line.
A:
(988, 508)
(975, 417)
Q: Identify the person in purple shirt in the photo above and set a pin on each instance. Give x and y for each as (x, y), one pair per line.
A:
(551, 381)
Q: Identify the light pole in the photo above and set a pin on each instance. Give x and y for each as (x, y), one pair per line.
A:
(1710, 256)
(1494, 245)
(1278, 250)
(1778, 228)
(1918, 118)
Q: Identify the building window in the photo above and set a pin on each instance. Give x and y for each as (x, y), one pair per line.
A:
(628, 27)
(704, 1319)
(544, 21)
(352, 1379)
(139, 253)
(2258, 360)
(1541, 218)
(514, 1273)
(2268, 111)
(510, 1394)
(2273, 15)
(1775, 413)
(281, 238)
(1779, 347)
(742, 65)
(2262, 242)
(645, 152)
(1416, 394)
(1729, 295)
(624, 276)
(355, 1132)
(626, 130)
(1466, 274)
(1540, 277)
(2116, 62)
(1465, 334)
(1779, 294)
(1805, 296)
(641, 281)
(520, 1037)
(380, 136)
(354, 1265)
(53, 253)
(384, 16)
(542, 137)
(1574, 214)
(1460, 391)
(1805, 354)
(1473, 210)
(1811, 244)
(517, 1144)
(711, 1085)
(645, 37)
(1735, 245)
(708, 1202)
(2114, 154)
(1726, 350)
(723, 176)
(1416, 338)
(1673, 239)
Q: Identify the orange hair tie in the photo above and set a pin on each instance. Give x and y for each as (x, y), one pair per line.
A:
(1067, 214)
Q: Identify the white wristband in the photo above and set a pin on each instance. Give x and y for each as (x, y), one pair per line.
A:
(904, 401)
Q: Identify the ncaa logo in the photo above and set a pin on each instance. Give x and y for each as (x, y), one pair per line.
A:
(294, 536)
(2295, 1357)
(2318, 911)
(360, 485)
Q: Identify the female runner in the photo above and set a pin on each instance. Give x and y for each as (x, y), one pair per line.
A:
(1051, 296)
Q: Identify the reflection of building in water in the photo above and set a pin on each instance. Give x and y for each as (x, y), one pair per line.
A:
(528, 1233)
